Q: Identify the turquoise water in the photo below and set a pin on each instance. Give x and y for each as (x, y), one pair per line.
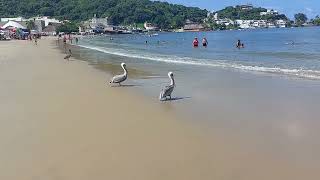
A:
(287, 52)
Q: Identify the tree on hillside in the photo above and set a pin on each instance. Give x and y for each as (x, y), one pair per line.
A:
(300, 19)
(119, 12)
(237, 12)
(68, 27)
(316, 21)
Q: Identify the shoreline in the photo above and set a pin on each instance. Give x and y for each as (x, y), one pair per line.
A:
(60, 120)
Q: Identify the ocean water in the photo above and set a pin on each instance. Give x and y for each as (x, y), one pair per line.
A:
(286, 52)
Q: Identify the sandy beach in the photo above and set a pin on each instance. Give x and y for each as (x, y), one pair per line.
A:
(60, 120)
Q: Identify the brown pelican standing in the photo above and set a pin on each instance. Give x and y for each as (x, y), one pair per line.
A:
(167, 91)
(120, 78)
(69, 55)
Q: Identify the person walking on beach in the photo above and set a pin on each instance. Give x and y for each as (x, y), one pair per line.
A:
(77, 40)
(204, 42)
(65, 40)
(65, 43)
(35, 40)
(195, 42)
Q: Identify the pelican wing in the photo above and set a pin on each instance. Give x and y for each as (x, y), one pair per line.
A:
(119, 78)
(167, 91)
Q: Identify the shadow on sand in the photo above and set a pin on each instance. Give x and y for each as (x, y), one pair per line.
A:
(125, 85)
(176, 99)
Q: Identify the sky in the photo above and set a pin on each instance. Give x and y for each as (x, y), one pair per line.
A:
(289, 7)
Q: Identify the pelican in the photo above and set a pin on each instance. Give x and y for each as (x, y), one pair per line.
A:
(69, 55)
(168, 89)
(120, 78)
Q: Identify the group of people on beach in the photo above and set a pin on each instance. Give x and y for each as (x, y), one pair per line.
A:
(65, 38)
(195, 42)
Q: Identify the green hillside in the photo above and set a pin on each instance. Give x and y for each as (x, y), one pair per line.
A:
(248, 14)
(162, 14)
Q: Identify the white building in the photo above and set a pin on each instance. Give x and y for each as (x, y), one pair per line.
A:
(271, 25)
(99, 21)
(245, 24)
(246, 7)
(260, 24)
(269, 12)
(216, 17)
(46, 20)
(226, 22)
(19, 19)
(95, 24)
(281, 23)
(256, 24)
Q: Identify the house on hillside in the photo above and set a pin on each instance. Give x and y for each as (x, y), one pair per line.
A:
(95, 25)
(246, 7)
(269, 12)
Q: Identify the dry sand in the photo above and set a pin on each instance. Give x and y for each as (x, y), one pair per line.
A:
(59, 120)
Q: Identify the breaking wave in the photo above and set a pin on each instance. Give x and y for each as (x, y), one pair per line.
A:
(300, 73)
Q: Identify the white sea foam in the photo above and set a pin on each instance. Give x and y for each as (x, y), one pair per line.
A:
(300, 73)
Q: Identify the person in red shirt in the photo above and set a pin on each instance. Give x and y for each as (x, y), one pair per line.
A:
(195, 42)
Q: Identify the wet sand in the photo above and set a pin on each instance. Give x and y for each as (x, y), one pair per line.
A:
(60, 120)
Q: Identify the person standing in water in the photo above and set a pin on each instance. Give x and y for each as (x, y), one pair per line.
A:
(238, 44)
(205, 42)
(195, 42)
